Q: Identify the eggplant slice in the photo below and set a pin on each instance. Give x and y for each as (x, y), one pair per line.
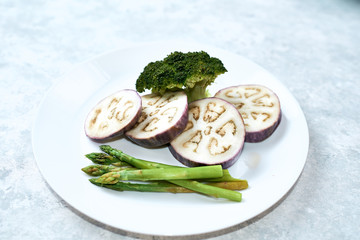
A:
(163, 117)
(113, 115)
(214, 134)
(259, 107)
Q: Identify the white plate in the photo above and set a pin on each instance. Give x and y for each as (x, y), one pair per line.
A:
(271, 167)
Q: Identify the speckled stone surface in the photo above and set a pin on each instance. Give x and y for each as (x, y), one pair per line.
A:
(313, 47)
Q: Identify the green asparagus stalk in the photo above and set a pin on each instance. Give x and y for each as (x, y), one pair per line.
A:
(103, 158)
(225, 178)
(98, 170)
(99, 157)
(138, 163)
(163, 186)
(189, 184)
(233, 185)
(161, 174)
(148, 187)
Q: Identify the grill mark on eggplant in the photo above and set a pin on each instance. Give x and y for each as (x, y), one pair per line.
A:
(156, 97)
(239, 105)
(154, 112)
(248, 95)
(142, 118)
(230, 125)
(213, 147)
(114, 100)
(112, 113)
(255, 116)
(94, 119)
(124, 113)
(189, 125)
(103, 125)
(115, 112)
(170, 112)
(149, 127)
(259, 101)
(166, 101)
(267, 116)
(207, 130)
(237, 94)
(212, 113)
(244, 115)
(194, 140)
(195, 111)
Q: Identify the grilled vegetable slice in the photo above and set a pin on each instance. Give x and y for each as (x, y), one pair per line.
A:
(259, 106)
(163, 117)
(214, 134)
(113, 115)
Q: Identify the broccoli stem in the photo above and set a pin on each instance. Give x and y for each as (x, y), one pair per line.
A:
(197, 92)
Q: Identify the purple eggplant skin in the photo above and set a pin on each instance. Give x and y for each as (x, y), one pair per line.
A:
(164, 137)
(259, 136)
(189, 163)
(120, 133)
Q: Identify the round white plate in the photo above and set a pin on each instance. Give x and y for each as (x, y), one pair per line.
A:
(271, 167)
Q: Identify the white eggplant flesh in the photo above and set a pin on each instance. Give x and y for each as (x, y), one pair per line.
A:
(163, 117)
(113, 115)
(214, 134)
(259, 107)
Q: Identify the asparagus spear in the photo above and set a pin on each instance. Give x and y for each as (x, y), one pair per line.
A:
(103, 158)
(161, 174)
(225, 178)
(235, 185)
(232, 183)
(99, 157)
(192, 185)
(164, 186)
(98, 170)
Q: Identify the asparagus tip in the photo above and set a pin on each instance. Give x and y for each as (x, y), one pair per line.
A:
(93, 181)
(104, 147)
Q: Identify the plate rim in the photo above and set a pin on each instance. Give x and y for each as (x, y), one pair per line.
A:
(74, 209)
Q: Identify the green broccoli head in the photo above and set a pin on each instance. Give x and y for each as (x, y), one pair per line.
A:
(192, 72)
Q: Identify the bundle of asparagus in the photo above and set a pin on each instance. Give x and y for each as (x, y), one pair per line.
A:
(113, 167)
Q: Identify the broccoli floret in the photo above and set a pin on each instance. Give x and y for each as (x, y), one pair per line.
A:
(192, 72)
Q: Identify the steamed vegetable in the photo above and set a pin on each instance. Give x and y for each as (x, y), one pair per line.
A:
(98, 170)
(189, 184)
(192, 71)
(113, 115)
(161, 174)
(214, 134)
(259, 107)
(103, 158)
(99, 157)
(165, 186)
(163, 117)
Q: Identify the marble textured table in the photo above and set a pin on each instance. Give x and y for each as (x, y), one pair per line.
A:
(313, 47)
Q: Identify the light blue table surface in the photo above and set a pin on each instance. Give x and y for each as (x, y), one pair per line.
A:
(312, 47)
